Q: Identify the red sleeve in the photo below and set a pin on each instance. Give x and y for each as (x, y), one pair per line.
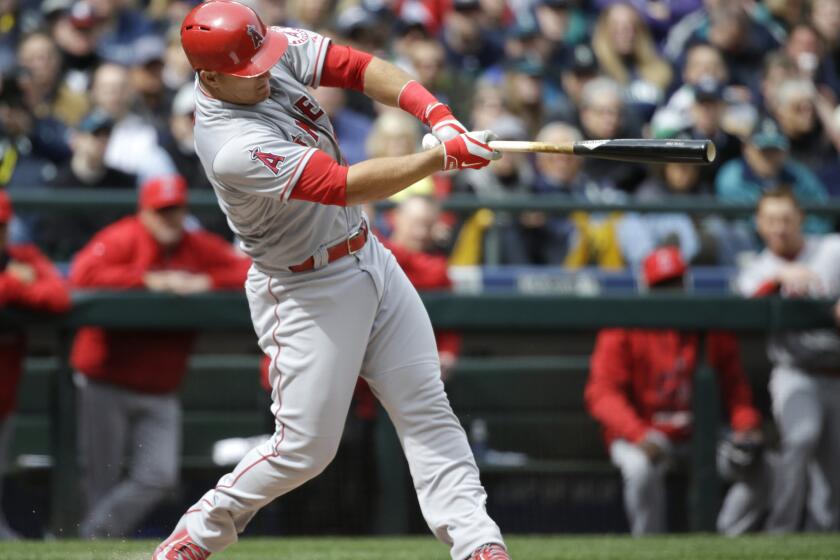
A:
(609, 382)
(106, 262)
(47, 293)
(345, 67)
(736, 395)
(227, 269)
(323, 181)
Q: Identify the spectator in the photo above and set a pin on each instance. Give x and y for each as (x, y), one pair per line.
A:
(805, 117)
(627, 54)
(469, 49)
(153, 98)
(45, 92)
(523, 91)
(73, 27)
(560, 22)
(604, 115)
(805, 47)
(707, 113)
(765, 165)
(352, 129)
(133, 147)
(804, 383)
(658, 15)
(132, 377)
(703, 62)
(62, 234)
(579, 68)
(640, 390)
(825, 17)
(28, 159)
(179, 140)
(123, 30)
(27, 280)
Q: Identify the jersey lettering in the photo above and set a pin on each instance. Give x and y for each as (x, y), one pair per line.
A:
(272, 161)
(304, 104)
(308, 128)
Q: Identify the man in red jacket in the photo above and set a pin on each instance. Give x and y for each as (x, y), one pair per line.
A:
(127, 380)
(640, 390)
(27, 280)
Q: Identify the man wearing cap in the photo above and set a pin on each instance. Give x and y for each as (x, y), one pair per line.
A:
(127, 380)
(805, 380)
(640, 390)
(27, 280)
(764, 166)
(329, 303)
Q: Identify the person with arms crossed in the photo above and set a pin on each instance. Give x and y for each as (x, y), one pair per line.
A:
(328, 301)
(805, 380)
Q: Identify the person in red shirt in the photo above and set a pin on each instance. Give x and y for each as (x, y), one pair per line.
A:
(640, 390)
(28, 280)
(127, 380)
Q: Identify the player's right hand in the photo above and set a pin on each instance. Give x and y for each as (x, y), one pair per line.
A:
(469, 151)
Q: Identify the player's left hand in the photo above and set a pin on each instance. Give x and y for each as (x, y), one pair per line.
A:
(469, 151)
(444, 126)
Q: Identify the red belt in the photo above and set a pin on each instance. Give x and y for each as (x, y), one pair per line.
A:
(350, 246)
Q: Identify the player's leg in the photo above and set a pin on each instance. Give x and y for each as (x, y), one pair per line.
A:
(644, 488)
(154, 449)
(101, 442)
(824, 472)
(748, 498)
(314, 328)
(798, 414)
(403, 371)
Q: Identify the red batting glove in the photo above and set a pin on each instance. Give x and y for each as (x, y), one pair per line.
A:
(443, 123)
(469, 151)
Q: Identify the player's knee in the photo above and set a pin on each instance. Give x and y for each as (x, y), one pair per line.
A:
(320, 451)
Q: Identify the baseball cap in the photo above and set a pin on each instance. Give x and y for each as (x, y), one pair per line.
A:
(767, 134)
(663, 264)
(527, 65)
(708, 90)
(5, 208)
(466, 5)
(95, 121)
(353, 20)
(556, 4)
(580, 59)
(163, 192)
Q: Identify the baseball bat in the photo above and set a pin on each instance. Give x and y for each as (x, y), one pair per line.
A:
(622, 149)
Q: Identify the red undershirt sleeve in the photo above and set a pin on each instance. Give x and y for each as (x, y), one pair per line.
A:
(345, 67)
(323, 181)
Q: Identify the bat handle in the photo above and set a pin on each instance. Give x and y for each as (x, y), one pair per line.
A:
(527, 147)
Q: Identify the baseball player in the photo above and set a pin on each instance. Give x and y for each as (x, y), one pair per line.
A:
(27, 280)
(805, 380)
(640, 390)
(327, 301)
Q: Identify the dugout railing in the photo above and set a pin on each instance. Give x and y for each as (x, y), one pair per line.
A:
(470, 313)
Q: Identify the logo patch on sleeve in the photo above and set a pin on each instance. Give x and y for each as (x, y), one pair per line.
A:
(272, 161)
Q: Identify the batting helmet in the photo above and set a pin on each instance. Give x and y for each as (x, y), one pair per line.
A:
(229, 37)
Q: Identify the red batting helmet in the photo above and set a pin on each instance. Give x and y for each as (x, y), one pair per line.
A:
(229, 37)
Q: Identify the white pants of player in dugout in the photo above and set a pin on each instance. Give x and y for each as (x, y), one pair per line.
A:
(745, 504)
(321, 329)
(807, 411)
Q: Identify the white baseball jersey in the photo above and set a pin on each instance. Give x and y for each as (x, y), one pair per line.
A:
(817, 349)
(262, 150)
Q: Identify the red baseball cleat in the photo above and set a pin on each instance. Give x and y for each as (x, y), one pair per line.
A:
(180, 546)
(490, 551)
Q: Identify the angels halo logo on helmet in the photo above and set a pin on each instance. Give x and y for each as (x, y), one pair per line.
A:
(229, 37)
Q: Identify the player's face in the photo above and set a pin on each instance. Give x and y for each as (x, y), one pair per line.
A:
(779, 223)
(166, 225)
(242, 91)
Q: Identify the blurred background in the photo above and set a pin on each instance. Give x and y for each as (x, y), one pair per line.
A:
(579, 304)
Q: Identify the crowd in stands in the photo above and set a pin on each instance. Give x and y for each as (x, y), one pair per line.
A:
(98, 94)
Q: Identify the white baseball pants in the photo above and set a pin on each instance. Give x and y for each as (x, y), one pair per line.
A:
(321, 329)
